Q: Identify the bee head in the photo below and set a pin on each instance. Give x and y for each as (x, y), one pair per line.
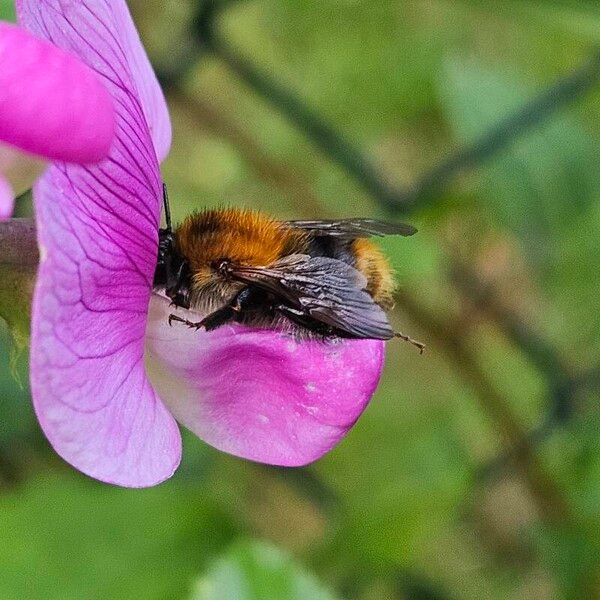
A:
(214, 241)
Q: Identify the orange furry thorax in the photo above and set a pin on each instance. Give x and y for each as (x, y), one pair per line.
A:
(250, 238)
(245, 237)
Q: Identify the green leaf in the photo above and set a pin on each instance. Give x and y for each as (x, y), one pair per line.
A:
(7, 11)
(546, 179)
(70, 537)
(255, 570)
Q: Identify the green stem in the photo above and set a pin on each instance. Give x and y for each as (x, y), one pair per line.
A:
(18, 264)
(18, 243)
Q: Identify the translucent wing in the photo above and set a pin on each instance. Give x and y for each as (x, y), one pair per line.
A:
(322, 290)
(353, 228)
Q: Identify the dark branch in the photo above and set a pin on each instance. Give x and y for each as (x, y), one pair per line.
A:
(485, 297)
(495, 467)
(563, 92)
(326, 137)
(18, 243)
(342, 151)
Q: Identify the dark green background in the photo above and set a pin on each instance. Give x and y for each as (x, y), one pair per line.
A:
(400, 509)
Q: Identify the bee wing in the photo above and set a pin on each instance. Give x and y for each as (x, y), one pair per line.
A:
(353, 228)
(322, 289)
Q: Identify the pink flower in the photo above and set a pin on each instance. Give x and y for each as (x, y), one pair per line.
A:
(96, 324)
(52, 106)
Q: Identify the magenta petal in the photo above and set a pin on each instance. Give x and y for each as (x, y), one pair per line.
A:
(259, 394)
(148, 88)
(50, 103)
(7, 200)
(98, 235)
(84, 17)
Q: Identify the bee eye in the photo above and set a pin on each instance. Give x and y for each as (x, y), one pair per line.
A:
(222, 266)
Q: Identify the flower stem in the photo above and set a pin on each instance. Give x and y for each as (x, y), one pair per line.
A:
(18, 262)
(18, 243)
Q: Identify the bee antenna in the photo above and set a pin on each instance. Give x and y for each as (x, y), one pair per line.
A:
(167, 208)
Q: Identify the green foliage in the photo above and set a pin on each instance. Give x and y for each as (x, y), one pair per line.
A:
(7, 10)
(408, 82)
(547, 178)
(63, 538)
(15, 300)
(545, 187)
(254, 570)
(574, 557)
(576, 17)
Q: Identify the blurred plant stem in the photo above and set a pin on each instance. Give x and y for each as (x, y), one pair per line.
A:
(563, 92)
(10, 471)
(18, 242)
(551, 505)
(276, 174)
(18, 264)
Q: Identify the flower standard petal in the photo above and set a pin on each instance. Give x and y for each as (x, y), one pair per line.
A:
(98, 230)
(51, 104)
(260, 394)
(148, 88)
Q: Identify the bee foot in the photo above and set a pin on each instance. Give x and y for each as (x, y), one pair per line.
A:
(197, 325)
(173, 317)
(410, 340)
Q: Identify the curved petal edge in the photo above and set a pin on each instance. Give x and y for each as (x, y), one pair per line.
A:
(98, 238)
(260, 394)
(51, 103)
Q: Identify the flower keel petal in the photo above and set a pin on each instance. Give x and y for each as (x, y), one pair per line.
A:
(259, 394)
(51, 104)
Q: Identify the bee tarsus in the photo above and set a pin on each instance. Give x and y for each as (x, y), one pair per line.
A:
(406, 338)
(212, 321)
(179, 319)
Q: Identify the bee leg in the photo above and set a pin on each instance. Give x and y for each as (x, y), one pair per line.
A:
(178, 319)
(236, 310)
(406, 338)
(303, 320)
(210, 322)
(217, 318)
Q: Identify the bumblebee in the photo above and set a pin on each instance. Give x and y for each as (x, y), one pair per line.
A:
(312, 278)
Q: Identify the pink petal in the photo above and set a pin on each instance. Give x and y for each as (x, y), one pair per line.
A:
(148, 88)
(50, 103)
(7, 199)
(98, 230)
(32, 13)
(259, 394)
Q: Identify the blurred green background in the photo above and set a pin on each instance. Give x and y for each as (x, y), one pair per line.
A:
(475, 471)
